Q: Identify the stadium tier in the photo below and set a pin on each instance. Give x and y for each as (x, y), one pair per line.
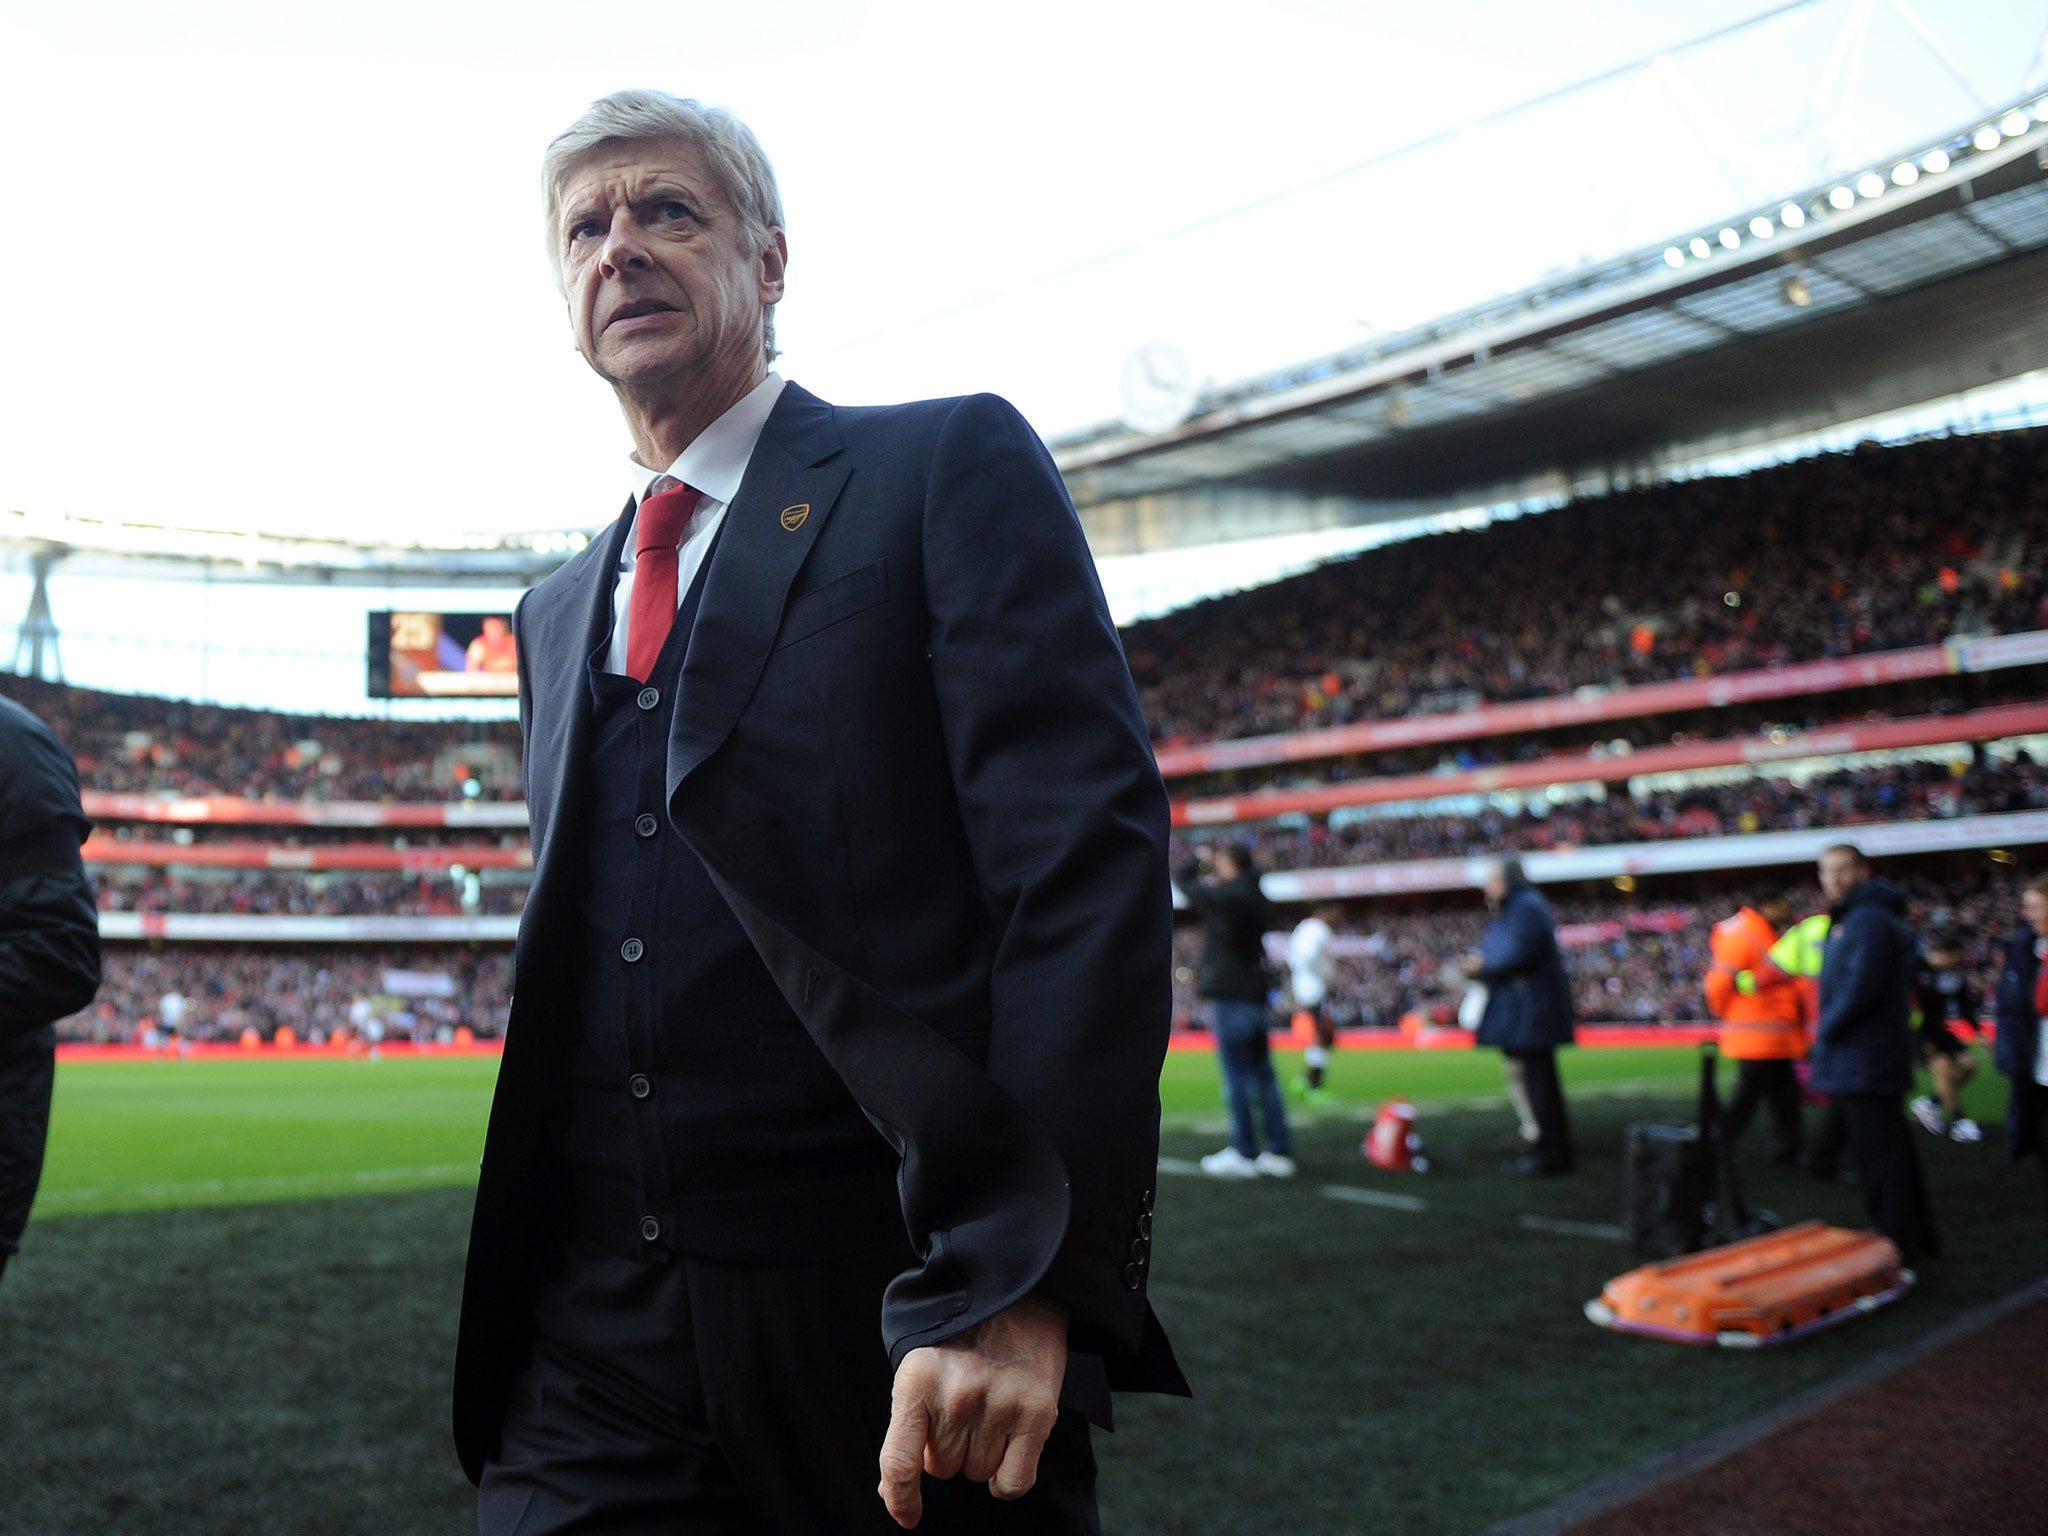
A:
(1720, 675)
(1848, 554)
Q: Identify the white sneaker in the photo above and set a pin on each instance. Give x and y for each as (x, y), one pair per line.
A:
(1929, 1114)
(1966, 1129)
(1275, 1165)
(1229, 1164)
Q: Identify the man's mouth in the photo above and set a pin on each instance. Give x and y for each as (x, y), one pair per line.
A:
(637, 309)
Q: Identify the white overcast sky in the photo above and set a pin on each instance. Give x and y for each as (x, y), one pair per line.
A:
(281, 266)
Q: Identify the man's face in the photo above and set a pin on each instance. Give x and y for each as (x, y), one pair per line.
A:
(2034, 907)
(1840, 873)
(1777, 913)
(1495, 885)
(662, 282)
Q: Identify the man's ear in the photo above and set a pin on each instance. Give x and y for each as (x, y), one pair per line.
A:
(774, 262)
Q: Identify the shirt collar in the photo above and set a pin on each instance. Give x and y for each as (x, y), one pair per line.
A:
(715, 462)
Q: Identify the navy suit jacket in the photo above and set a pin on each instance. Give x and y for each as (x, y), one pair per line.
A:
(909, 751)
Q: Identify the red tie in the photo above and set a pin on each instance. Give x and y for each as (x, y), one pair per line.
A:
(657, 532)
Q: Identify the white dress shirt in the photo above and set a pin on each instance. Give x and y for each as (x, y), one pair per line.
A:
(713, 465)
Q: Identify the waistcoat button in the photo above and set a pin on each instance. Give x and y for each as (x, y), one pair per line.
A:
(632, 950)
(649, 697)
(646, 825)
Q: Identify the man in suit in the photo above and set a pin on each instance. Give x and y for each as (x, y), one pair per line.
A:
(825, 1135)
(49, 946)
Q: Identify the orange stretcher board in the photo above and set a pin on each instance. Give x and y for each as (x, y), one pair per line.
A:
(1757, 1292)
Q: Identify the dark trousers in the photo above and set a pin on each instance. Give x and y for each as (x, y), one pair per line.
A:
(1538, 1070)
(1824, 1156)
(725, 1400)
(1888, 1172)
(1774, 1084)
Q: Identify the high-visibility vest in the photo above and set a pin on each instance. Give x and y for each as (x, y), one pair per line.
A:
(1759, 1005)
(1798, 953)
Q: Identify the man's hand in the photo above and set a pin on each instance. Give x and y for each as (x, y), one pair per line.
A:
(982, 1404)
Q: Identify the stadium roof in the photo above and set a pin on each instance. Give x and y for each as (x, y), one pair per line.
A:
(1915, 280)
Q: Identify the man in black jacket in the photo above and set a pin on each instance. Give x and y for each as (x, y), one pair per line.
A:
(1863, 1046)
(1528, 1012)
(1224, 887)
(49, 946)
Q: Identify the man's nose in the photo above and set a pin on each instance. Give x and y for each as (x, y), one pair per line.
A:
(624, 249)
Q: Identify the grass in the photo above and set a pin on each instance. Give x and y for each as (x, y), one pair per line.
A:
(183, 1351)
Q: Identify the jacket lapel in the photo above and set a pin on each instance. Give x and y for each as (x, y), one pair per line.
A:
(791, 483)
(574, 617)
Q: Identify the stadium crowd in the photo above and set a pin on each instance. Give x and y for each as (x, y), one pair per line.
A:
(130, 744)
(1631, 959)
(1893, 791)
(270, 893)
(1868, 551)
(392, 992)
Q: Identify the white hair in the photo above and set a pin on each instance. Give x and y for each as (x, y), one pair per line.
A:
(730, 151)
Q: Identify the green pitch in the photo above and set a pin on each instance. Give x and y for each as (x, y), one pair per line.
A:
(159, 1134)
(199, 1338)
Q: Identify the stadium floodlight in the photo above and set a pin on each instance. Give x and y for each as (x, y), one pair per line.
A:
(1870, 184)
(1797, 293)
(1673, 256)
(2013, 124)
(1905, 173)
(1842, 197)
(1987, 137)
(1700, 248)
(1729, 239)
(1792, 216)
(1762, 227)
(1934, 162)
(2040, 110)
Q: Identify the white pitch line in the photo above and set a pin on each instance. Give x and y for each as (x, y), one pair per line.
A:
(1604, 1230)
(1353, 1195)
(263, 1182)
(1178, 1165)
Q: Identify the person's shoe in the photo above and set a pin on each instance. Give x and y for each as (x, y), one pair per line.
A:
(1229, 1164)
(1274, 1165)
(1298, 1085)
(1965, 1129)
(1929, 1114)
(1321, 1098)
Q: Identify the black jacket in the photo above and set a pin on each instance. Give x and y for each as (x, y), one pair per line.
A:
(2019, 1035)
(49, 943)
(1528, 996)
(49, 926)
(1863, 1043)
(908, 750)
(1235, 917)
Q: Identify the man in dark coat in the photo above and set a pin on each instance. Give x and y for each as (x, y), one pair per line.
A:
(1863, 1046)
(825, 1136)
(1528, 1012)
(1224, 887)
(49, 946)
(2022, 1005)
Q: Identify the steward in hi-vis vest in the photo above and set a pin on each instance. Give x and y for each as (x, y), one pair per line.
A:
(1763, 1012)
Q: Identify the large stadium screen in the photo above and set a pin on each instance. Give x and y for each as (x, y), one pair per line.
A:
(442, 655)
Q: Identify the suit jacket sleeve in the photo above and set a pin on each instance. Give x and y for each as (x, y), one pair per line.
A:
(1066, 818)
(49, 927)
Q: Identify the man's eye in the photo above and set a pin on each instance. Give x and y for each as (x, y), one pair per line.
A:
(674, 212)
(585, 229)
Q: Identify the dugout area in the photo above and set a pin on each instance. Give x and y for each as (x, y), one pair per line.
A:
(1372, 1352)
